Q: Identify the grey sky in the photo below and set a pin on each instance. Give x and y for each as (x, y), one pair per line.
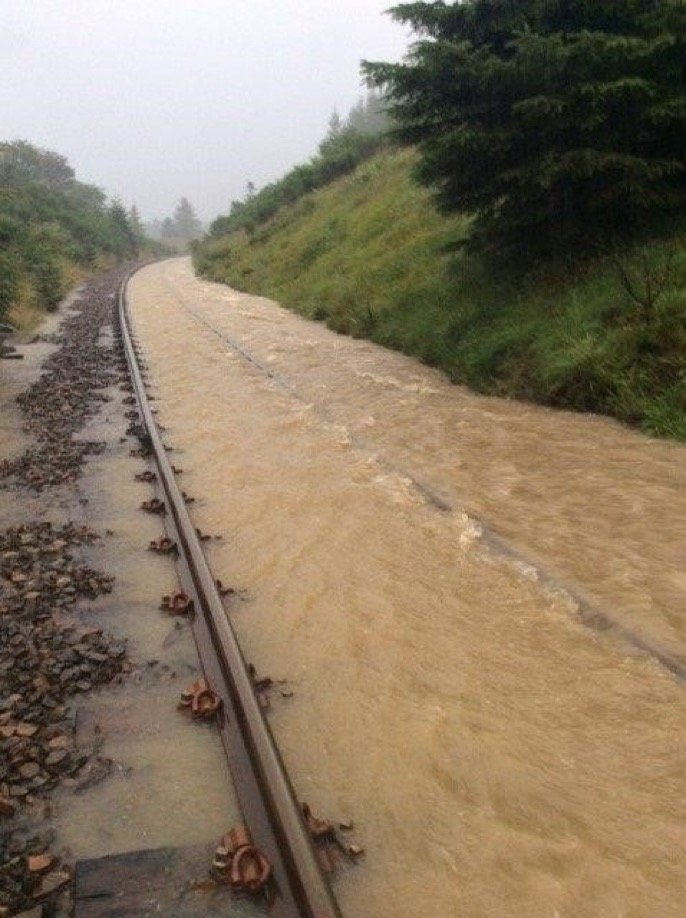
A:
(154, 99)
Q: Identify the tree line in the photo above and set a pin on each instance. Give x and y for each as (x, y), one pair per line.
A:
(348, 142)
(182, 227)
(49, 221)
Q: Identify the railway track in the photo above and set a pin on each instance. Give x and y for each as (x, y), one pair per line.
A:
(298, 887)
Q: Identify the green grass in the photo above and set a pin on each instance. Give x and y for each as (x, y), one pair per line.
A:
(370, 255)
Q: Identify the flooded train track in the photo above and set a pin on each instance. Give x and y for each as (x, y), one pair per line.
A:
(593, 616)
(265, 794)
(497, 754)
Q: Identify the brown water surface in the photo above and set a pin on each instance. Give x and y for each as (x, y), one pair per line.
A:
(407, 555)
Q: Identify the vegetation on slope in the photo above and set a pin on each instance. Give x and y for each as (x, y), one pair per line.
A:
(347, 143)
(53, 229)
(550, 135)
(370, 255)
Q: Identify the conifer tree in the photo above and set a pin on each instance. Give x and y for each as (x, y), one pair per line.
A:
(126, 241)
(558, 123)
(136, 225)
(186, 223)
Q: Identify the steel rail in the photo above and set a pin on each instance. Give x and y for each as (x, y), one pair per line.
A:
(264, 792)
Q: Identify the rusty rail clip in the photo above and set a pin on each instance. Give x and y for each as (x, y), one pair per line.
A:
(241, 864)
(177, 604)
(201, 700)
(163, 546)
(148, 475)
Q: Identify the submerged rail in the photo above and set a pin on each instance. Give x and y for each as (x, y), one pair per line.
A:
(590, 615)
(264, 792)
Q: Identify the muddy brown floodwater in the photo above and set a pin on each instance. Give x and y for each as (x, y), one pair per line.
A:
(436, 574)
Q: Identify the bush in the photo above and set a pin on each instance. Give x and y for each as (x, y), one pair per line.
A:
(10, 281)
(48, 221)
(49, 284)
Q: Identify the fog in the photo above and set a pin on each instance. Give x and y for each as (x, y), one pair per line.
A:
(155, 99)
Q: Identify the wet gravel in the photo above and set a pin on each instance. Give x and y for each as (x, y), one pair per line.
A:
(49, 654)
(68, 393)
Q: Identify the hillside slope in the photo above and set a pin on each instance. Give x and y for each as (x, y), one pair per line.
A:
(370, 255)
(54, 230)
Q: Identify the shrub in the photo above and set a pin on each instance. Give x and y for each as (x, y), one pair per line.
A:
(10, 280)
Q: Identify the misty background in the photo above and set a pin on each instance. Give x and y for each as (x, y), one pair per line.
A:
(163, 98)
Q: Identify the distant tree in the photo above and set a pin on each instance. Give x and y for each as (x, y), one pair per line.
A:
(136, 225)
(369, 115)
(335, 124)
(168, 228)
(347, 143)
(186, 223)
(127, 243)
(556, 122)
(153, 229)
(86, 197)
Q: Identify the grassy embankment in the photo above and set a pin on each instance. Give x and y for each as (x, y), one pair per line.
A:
(369, 255)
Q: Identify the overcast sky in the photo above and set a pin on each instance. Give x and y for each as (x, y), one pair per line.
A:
(154, 99)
